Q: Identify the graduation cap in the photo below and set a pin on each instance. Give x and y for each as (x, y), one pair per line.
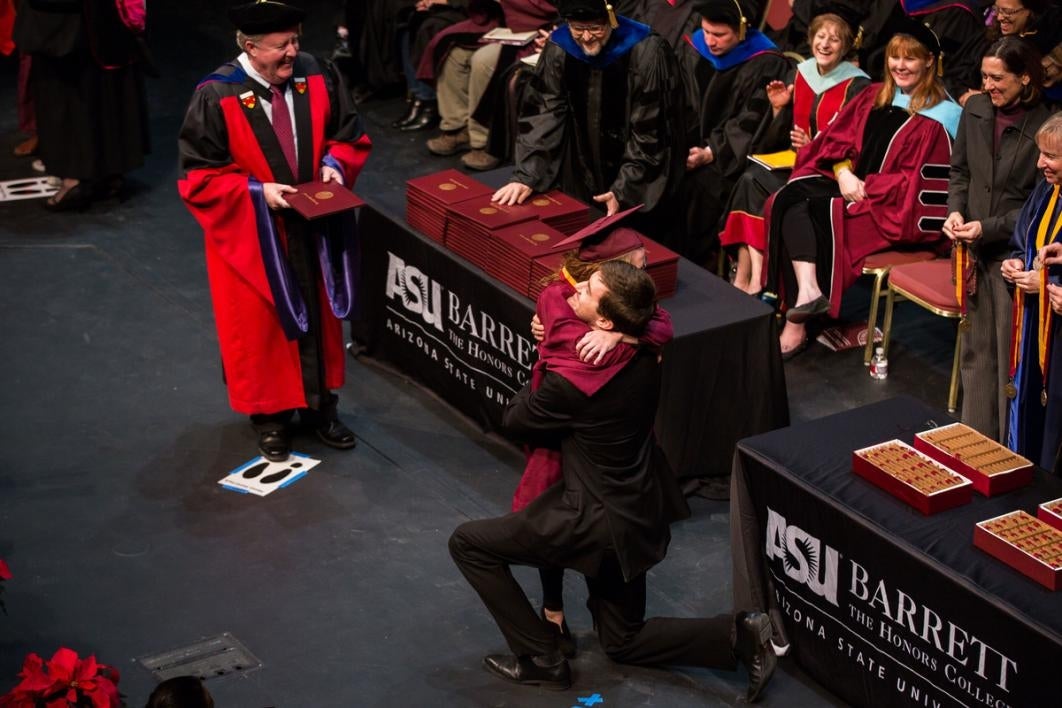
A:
(851, 14)
(587, 10)
(739, 14)
(265, 16)
(606, 238)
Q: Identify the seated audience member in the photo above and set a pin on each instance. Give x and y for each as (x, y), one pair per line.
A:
(468, 72)
(821, 87)
(608, 519)
(180, 692)
(1052, 65)
(602, 120)
(726, 70)
(994, 154)
(428, 18)
(958, 24)
(1034, 427)
(586, 357)
(867, 183)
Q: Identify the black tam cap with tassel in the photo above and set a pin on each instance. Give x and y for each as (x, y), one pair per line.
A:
(587, 11)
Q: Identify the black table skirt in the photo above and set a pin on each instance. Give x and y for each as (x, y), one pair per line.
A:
(882, 604)
(466, 336)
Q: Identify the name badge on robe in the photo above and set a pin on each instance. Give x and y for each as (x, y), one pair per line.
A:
(247, 98)
(300, 85)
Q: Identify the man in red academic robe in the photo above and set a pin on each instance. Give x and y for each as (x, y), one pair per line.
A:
(272, 118)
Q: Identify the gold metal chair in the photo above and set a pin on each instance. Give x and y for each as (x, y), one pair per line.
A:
(879, 265)
(927, 284)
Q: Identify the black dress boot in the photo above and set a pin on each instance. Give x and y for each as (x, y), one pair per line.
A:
(548, 671)
(425, 116)
(412, 104)
(752, 646)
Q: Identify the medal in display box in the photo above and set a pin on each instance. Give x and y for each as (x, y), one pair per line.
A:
(1051, 513)
(911, 476)
(1025, 543)
(991, 467)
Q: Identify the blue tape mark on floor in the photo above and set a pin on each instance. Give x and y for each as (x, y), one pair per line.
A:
(591, 700)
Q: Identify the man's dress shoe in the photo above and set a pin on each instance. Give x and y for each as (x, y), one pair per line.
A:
(335, 434)
(752, 646)
(550, 671)
(411, 108)
(425, 115)
(275, 445)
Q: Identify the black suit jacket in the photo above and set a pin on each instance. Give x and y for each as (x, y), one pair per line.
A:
(618, 493)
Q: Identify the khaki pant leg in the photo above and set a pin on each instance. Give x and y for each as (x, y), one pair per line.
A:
(484, 61)
(452, 89)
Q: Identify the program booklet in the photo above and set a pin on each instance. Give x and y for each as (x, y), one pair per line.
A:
(504, 35)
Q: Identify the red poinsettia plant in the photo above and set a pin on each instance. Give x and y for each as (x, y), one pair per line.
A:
(65, 681)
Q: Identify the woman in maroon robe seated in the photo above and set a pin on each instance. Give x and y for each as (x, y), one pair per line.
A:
(876, 179)
(586, 357)
(820, 88)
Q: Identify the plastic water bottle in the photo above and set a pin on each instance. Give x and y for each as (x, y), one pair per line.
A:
(879, 365)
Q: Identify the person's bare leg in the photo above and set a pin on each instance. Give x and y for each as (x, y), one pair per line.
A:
(555, 617)
(755, 271)
(807, 282)
(68, 184)
(741, 274)
(792, 337)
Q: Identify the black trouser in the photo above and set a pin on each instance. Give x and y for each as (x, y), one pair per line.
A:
(265, 422)
(484, 551)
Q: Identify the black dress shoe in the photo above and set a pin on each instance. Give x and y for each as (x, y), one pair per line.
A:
(275, 445)
(549, 671)
(426, 116)
(412, 104)
(335, 434)
(799, 315)
(565, 640)
(752, 646)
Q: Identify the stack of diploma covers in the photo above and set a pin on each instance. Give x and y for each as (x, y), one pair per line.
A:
(428, 197)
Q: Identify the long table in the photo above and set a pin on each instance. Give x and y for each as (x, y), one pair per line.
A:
(466, 336)
(881, 604)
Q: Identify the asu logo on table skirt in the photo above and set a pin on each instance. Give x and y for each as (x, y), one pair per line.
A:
(847, 610)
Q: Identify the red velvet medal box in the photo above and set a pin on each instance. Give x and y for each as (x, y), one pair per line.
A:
(1025, 543)
(1051, 513)
(991, 467)
(912, 477)
(512, 251)
(428, 197)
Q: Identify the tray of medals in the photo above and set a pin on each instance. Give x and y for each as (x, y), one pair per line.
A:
(1051, 513)
(1026, 544)
(912, 477)
(991, 467)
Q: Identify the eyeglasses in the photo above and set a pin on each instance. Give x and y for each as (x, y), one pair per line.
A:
(1008, 13)
(592, 30)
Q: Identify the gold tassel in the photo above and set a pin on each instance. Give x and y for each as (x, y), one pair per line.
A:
(743, 23)
(940, 65)
(858, 42)
(612, 21)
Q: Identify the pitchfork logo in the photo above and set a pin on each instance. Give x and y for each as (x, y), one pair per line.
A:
(418, 293)
(804, 558)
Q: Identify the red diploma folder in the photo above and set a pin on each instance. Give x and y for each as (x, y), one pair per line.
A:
(314, 200)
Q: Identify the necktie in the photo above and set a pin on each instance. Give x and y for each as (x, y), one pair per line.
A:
(282, 127)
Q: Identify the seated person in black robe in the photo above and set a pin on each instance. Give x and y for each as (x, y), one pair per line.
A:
(726, 69)
(602, 120)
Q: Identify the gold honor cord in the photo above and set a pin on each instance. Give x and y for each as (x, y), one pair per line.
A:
(1044, 315)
